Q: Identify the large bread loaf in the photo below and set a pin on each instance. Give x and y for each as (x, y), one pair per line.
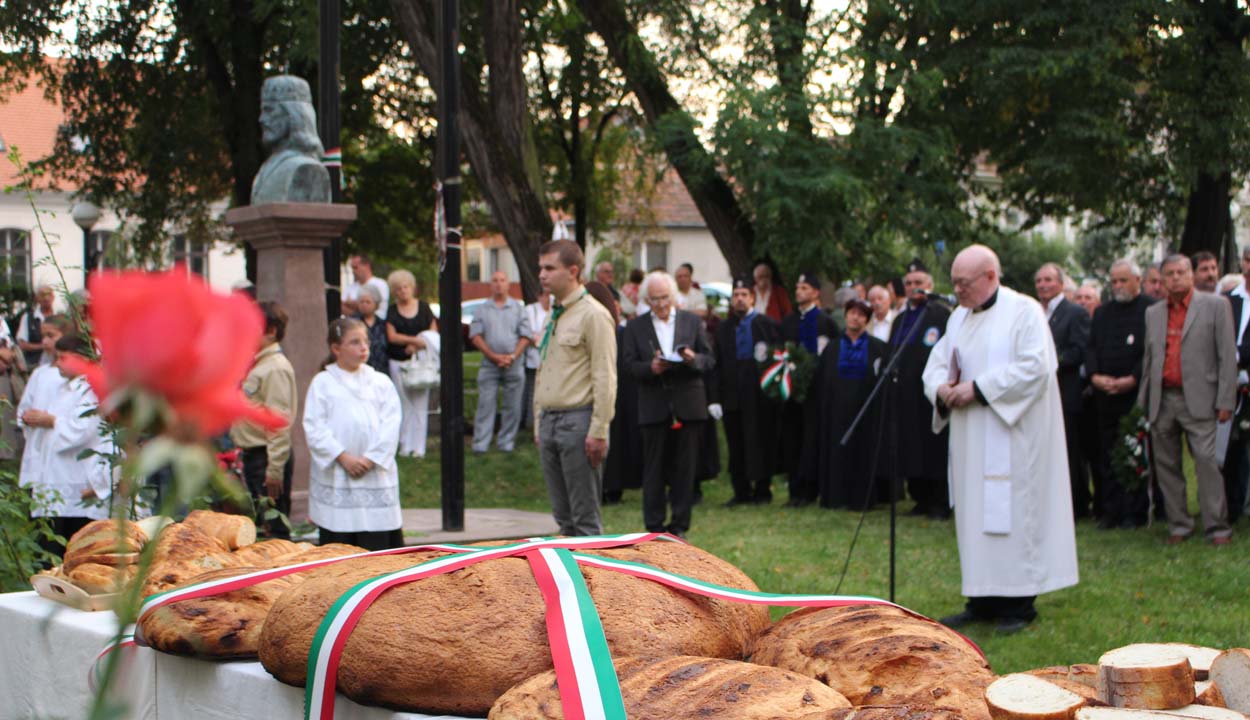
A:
(1145, 676)
(883, 712)
(232, 531)
(100, 539)
(455, 643)
(684, 687)
(879, 655)
(226, 626)
(183, 552)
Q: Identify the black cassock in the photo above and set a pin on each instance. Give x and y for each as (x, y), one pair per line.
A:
(623, 468)
(842, 474)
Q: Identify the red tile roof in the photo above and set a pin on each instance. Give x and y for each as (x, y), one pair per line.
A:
(28, 122)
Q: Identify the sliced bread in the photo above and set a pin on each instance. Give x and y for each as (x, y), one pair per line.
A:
(1147, 676)
(1231, 674)
(1028, 697)
(1206, 693)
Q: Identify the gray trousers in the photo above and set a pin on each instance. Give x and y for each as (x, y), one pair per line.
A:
(1165, 433)
(574, 487)
(489, 378)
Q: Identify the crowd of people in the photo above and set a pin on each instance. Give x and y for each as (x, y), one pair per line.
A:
(1007, 408)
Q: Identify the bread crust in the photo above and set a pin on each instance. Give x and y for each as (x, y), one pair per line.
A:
(100, 538)
(454, 643)
(232, 531)
(1006, 704)
(1146, 676)
(684, 687)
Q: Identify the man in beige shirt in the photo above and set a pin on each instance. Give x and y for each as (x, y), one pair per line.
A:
(574, 392)
(267, 464)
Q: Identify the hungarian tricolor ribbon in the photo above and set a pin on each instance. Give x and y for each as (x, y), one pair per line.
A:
(332, 157)
(779, 373)
(579, 649)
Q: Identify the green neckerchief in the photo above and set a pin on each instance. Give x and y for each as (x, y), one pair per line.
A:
(556, 311)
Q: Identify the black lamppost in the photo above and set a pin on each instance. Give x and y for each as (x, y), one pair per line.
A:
(328, 127)
(451, 354)
(86, 215)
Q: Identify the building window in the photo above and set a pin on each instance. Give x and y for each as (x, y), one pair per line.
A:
(494, 261)
(103, 251)
(14, 259)
(473, 264)
(650, 255)
(191, 253)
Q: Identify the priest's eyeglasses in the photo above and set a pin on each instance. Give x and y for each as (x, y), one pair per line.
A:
(964, 283)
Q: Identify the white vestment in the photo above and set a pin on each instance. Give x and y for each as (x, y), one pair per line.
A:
(1008, 460)
(50, 460)
(357, 413)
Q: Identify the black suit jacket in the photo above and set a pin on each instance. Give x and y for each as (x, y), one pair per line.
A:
(680, 390)
(735, 384)
(1243, 348)
(1069, 325)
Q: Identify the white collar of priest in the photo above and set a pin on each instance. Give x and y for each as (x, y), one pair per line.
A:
(988, 303)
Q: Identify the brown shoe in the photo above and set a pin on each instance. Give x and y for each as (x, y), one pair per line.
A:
(1177, 539)
(1219, 541)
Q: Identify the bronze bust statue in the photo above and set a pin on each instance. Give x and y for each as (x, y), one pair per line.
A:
(293, 171)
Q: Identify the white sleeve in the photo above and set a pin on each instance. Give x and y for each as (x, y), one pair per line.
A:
(1011, 388)
(27, 401)
(384, 444)
(76, 430)
(21, 327)
(937, 373)
(322, 445)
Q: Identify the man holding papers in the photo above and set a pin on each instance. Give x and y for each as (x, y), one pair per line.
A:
(992, 378)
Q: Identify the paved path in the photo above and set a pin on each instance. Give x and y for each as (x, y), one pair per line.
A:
(423, 525)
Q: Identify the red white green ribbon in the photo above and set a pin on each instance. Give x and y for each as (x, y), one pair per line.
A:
(589, 689)
(125, 640)
(779, 373)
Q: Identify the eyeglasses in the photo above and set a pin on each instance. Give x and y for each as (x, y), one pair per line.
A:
(963, 283)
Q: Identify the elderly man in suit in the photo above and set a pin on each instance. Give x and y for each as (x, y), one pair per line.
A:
(1189, 374)
(1069, 327)
(667, 352)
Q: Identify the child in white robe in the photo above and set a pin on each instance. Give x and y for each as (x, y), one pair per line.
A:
(351, 421)
(55, 413)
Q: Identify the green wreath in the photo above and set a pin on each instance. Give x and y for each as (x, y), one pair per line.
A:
(1130, 463)
(786, 372)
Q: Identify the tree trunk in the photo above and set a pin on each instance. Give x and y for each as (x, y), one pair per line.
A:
(494, 129)
(711, 193)
(1206, 217)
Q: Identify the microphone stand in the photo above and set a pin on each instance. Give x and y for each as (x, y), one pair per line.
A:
(889, 392)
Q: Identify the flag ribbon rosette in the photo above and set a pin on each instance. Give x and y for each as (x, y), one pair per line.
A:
(579, 649)
(778, 373)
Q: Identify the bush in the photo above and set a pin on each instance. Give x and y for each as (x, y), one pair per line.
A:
(21, 534)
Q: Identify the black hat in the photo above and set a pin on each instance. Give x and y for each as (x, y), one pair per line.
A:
(744, 281)
(916, 266)
(860, 304)
(807, 277)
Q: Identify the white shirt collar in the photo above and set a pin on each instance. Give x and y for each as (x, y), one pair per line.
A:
(1054, 303)
(665, 330)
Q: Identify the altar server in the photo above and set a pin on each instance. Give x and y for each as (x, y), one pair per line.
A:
(351, 420)
(55, 416)
(992, 378)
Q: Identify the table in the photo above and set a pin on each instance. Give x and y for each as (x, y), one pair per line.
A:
(48, 650)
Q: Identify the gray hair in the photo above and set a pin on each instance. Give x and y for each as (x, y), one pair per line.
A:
(1175, 258)
(658, 276)
(1129, 263)
(372, 292)
(1093, 285)
(1063, 275)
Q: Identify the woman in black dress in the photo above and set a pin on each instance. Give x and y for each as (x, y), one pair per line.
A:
(405, 321)
(367, 312)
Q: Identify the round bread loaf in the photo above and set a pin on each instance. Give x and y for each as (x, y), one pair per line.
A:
(232, 531)
(454, 643)
(684, 687)
(883, 712)
(265, 551)
(183, 552)
(880, 655)
(227, 626)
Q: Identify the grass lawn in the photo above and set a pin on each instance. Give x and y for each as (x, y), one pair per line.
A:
(1133, 587)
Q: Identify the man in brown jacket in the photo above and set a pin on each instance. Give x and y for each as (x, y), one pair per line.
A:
(1189, 381)
(267, 463)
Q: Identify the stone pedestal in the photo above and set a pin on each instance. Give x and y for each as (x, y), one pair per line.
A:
(289, 239)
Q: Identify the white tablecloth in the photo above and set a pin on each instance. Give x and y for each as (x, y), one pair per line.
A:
(48, 649)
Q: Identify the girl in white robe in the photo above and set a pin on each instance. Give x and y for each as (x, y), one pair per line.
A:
(351, 421)
(56, 415)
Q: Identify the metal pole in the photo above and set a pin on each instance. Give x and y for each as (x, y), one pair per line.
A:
(451, 353)
(328, 127)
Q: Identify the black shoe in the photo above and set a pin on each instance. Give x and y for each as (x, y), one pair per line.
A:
(939, 515)
(735, 502)
(1129, 523)
(798, 502)
(679, 533)
(762, 500)
(918, 510)
(961, 619)
(1011, 626)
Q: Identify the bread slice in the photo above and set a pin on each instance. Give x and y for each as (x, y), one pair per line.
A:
(1027, 697)
(1206, 712)
(1112, 713)
(1148, 676)
(1080, 674)
(1231, 673)
(1206, 693)
(232, 531)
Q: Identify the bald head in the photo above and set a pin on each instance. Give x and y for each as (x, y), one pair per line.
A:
(975, 275)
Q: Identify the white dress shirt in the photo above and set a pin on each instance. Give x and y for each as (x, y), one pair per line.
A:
(664, 330)
(1054, 303)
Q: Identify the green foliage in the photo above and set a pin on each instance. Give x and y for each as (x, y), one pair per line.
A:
(1022, 255)
(21, 555)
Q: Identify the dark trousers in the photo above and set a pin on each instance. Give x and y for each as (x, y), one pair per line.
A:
(375, 540)
(1092, 451)
(1119, 506)
(749, 468)
(255, 463)
(1076, 465)
(527, 399)
(668, 459)
(1235, 470)
(931, 493)
(993, 607)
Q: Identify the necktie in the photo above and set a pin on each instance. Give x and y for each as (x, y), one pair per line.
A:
(556, 311)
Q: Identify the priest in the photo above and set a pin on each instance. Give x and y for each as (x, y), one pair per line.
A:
(992, 379)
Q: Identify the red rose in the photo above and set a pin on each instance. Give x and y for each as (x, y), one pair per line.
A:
(169, 334)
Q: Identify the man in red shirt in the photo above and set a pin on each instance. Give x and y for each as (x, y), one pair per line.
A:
(1189, 381)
